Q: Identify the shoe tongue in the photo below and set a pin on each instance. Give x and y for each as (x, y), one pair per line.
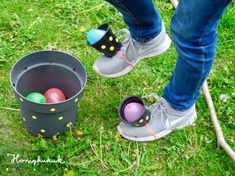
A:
(173, 113)
(130, 51)
(165, 103)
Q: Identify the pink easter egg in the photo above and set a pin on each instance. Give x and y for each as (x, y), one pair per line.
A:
(54, 95)
(133, 111)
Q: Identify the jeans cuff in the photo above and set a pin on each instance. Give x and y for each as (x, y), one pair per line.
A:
(146, 39)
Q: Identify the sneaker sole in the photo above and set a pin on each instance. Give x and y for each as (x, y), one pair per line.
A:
(157, 51)
(159, 135)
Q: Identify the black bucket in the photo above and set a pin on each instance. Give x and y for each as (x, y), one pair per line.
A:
(40, 71)
(109, 43)
(143, 119)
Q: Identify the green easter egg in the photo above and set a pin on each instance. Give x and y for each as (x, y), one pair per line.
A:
(36, 97)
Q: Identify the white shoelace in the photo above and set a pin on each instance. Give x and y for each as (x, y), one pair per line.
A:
(127, 42)
(158, 110)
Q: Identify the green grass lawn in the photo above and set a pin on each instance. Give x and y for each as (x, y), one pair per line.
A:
(93, 146)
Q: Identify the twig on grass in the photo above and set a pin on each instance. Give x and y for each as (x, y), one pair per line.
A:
(95, 7)
(101, 131)
(98, 157)
(137, 156)
(127, 168)
(219, 133)
(8, 108)
(38, 19)
(129, 148)
(88, 118)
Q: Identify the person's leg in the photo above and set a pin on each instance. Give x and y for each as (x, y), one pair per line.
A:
(193, 29)
(142, 18)
(146, 38)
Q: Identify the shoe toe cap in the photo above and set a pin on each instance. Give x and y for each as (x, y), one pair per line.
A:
(130, 131)
(109, 66)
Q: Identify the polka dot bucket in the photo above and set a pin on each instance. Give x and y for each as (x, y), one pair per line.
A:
(109, 43)
(38, 72)
(143, 119)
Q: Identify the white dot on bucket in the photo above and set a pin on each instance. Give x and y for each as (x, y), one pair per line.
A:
(141, 120)
(43, 131)
(60, 118)
(76, 100)
(34, 117)
(147, 117)
(24, 119)
(21, 99)
(117, 40)
(110, 38)
(52, 109)
(111, 48)
(103, 47)
(69, 124)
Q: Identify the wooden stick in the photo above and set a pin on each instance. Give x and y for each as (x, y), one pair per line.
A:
(218, 131)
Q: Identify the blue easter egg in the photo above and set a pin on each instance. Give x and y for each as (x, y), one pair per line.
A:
(94, 35)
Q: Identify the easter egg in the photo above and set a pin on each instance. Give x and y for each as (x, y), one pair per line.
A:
(36, 97)
(94, 35)
(133, 111)
(54, 95)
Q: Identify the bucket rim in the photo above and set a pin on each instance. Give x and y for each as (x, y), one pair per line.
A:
(106, 27)
(49, 104)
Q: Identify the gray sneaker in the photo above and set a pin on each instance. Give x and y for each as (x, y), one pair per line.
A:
(130, 54)
(164, 119)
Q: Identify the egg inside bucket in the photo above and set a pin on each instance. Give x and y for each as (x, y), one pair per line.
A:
(54, 95)
(133, 111)
(36, 97)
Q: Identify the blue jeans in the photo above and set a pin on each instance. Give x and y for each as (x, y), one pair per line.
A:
(194, 32)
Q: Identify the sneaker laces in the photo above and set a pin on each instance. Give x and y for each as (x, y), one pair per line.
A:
(127, 42)
(158, 109)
